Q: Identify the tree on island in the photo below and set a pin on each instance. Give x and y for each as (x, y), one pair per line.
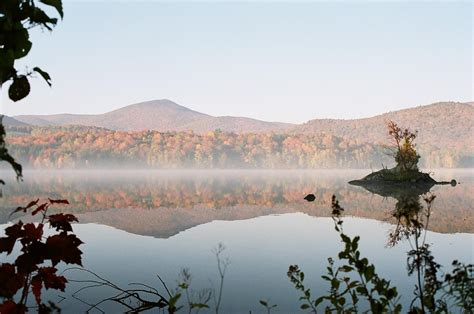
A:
(403, 149)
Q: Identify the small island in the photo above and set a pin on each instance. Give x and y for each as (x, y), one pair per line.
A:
(406, 172)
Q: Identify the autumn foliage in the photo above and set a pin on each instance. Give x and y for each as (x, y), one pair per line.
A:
(90, 147)
(35, 266)
(404, 150)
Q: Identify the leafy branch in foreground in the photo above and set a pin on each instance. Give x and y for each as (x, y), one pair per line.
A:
(5, 156)
(17, 18)
(453, 292)
(268, 306)
(35, 266)
(346, 292)
(458, 288)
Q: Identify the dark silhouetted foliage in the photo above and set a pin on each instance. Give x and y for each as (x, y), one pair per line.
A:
(17, 18)
(452, 292)
(145, 297)
(35, 266)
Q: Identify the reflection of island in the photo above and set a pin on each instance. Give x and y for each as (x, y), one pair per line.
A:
(408, 211)
(164, 205)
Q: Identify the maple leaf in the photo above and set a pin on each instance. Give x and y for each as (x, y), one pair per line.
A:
(46, 276)
(10, 281)
(24, 209)
(7, 244)
(51, 280)
(31, 233)
(62, 221)
(34, 254)
(12, 234)
(36, 286)
(42, 207)
(64, 247)
(10, 307)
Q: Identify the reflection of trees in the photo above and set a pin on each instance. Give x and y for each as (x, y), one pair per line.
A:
(407, 214)
(162, 205)
(433, 293)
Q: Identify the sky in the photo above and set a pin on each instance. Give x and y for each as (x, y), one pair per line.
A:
(275, 61)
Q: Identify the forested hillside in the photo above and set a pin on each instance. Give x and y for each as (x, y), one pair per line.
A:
(447, 125)
(92, 147)
(444, 125)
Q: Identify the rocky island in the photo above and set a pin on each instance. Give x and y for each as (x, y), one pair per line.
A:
(406, 173)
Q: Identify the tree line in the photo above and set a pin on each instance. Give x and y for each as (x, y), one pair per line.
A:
(92, 147)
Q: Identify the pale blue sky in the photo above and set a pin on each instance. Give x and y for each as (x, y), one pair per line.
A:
(274, 61)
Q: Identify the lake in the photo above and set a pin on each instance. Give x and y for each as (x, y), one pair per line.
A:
(136, 224)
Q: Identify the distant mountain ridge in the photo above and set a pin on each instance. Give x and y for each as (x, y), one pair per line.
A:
(159, 115)
(443, 125)
(12, 122)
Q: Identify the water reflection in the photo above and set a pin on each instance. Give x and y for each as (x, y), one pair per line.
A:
(433, 292)
(409, 213)
(162, 204)
(260, 249)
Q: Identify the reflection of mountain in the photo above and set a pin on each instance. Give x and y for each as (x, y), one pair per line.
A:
(164, 204)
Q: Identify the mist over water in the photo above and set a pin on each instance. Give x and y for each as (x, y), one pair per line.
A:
(136, 224)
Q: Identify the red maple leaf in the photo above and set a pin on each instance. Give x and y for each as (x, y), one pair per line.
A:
(62, 221)
(64, 247)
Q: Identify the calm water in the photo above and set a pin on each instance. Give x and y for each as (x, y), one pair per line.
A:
(138, 224)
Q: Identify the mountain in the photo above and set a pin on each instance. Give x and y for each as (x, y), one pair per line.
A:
(9, 121)
(443, 124)
(160, 115)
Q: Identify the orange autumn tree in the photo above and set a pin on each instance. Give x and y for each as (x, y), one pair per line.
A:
(403, 149)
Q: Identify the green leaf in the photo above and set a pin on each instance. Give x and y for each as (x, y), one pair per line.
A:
(319, 300)
(19, 89)
(57, 4)
(44, 74)
(17, 41)
(304, 306)
(370, 272)
(353, 284)
(40, 17)
(23, 51)
(7, 58)
(346, 268)
(264, 303)
(174, 300)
